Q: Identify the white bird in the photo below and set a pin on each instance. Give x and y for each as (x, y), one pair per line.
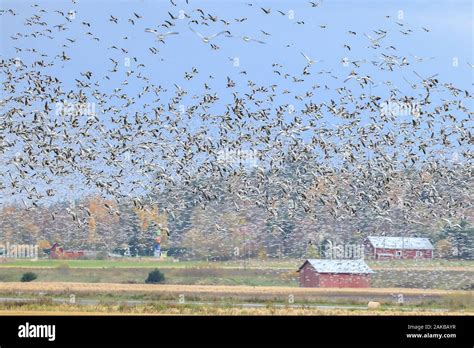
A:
(352, 75)
(310, 61)
(421, 59)
(375, 42)
(160, 36)
(248, 39)
(451, 224)
(207, 39)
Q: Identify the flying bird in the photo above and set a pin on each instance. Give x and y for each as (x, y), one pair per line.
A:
(160, 36)
(207, 39)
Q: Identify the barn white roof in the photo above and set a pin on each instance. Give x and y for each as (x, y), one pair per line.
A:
(400, 242)
(340, 266)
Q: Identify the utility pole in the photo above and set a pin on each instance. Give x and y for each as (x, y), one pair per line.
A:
(403, 245)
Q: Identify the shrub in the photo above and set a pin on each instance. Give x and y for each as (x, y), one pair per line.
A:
(155, 277)
(28, 277)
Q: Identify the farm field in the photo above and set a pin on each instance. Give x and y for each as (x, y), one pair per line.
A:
(61, 287)
(290, 264)
(192, 310)
(205, 299)
(254, 287)
(441, 279)
(148, 263)
(436, 274)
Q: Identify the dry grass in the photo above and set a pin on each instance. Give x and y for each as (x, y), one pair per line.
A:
(459, 302)
(69, 287)
(203, 310)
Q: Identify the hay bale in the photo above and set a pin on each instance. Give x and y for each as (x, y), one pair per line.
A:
(373, 305)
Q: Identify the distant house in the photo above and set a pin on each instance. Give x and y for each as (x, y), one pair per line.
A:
(58, 252)
(335, 274)
(386, 248)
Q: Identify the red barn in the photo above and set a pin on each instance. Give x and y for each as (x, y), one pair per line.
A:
(58, 252)
(335, 274)
(387, 248)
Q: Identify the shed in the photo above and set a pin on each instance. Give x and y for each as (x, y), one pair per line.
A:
(383, 248)
(315, 273)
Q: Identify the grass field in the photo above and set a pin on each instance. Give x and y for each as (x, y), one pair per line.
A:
(149, 263)
(290, 264)
(440, 274)
(233, 287)
(443, 279)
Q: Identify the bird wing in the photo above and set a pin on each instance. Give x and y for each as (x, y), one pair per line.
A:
(407, 81)
(217, 34)
(418, 75)
(348, 78)
(197, 33)
(307, 58)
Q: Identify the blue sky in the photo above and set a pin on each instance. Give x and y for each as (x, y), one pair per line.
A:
(450, 36)
(449, 39)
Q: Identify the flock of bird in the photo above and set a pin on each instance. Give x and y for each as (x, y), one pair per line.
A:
(314, 136)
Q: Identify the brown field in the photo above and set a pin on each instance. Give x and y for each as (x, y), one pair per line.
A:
(71, 287)
(189, 311)
(164, 299)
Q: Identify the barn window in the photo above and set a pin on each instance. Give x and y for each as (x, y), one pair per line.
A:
(418, 253)
(398, 253)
